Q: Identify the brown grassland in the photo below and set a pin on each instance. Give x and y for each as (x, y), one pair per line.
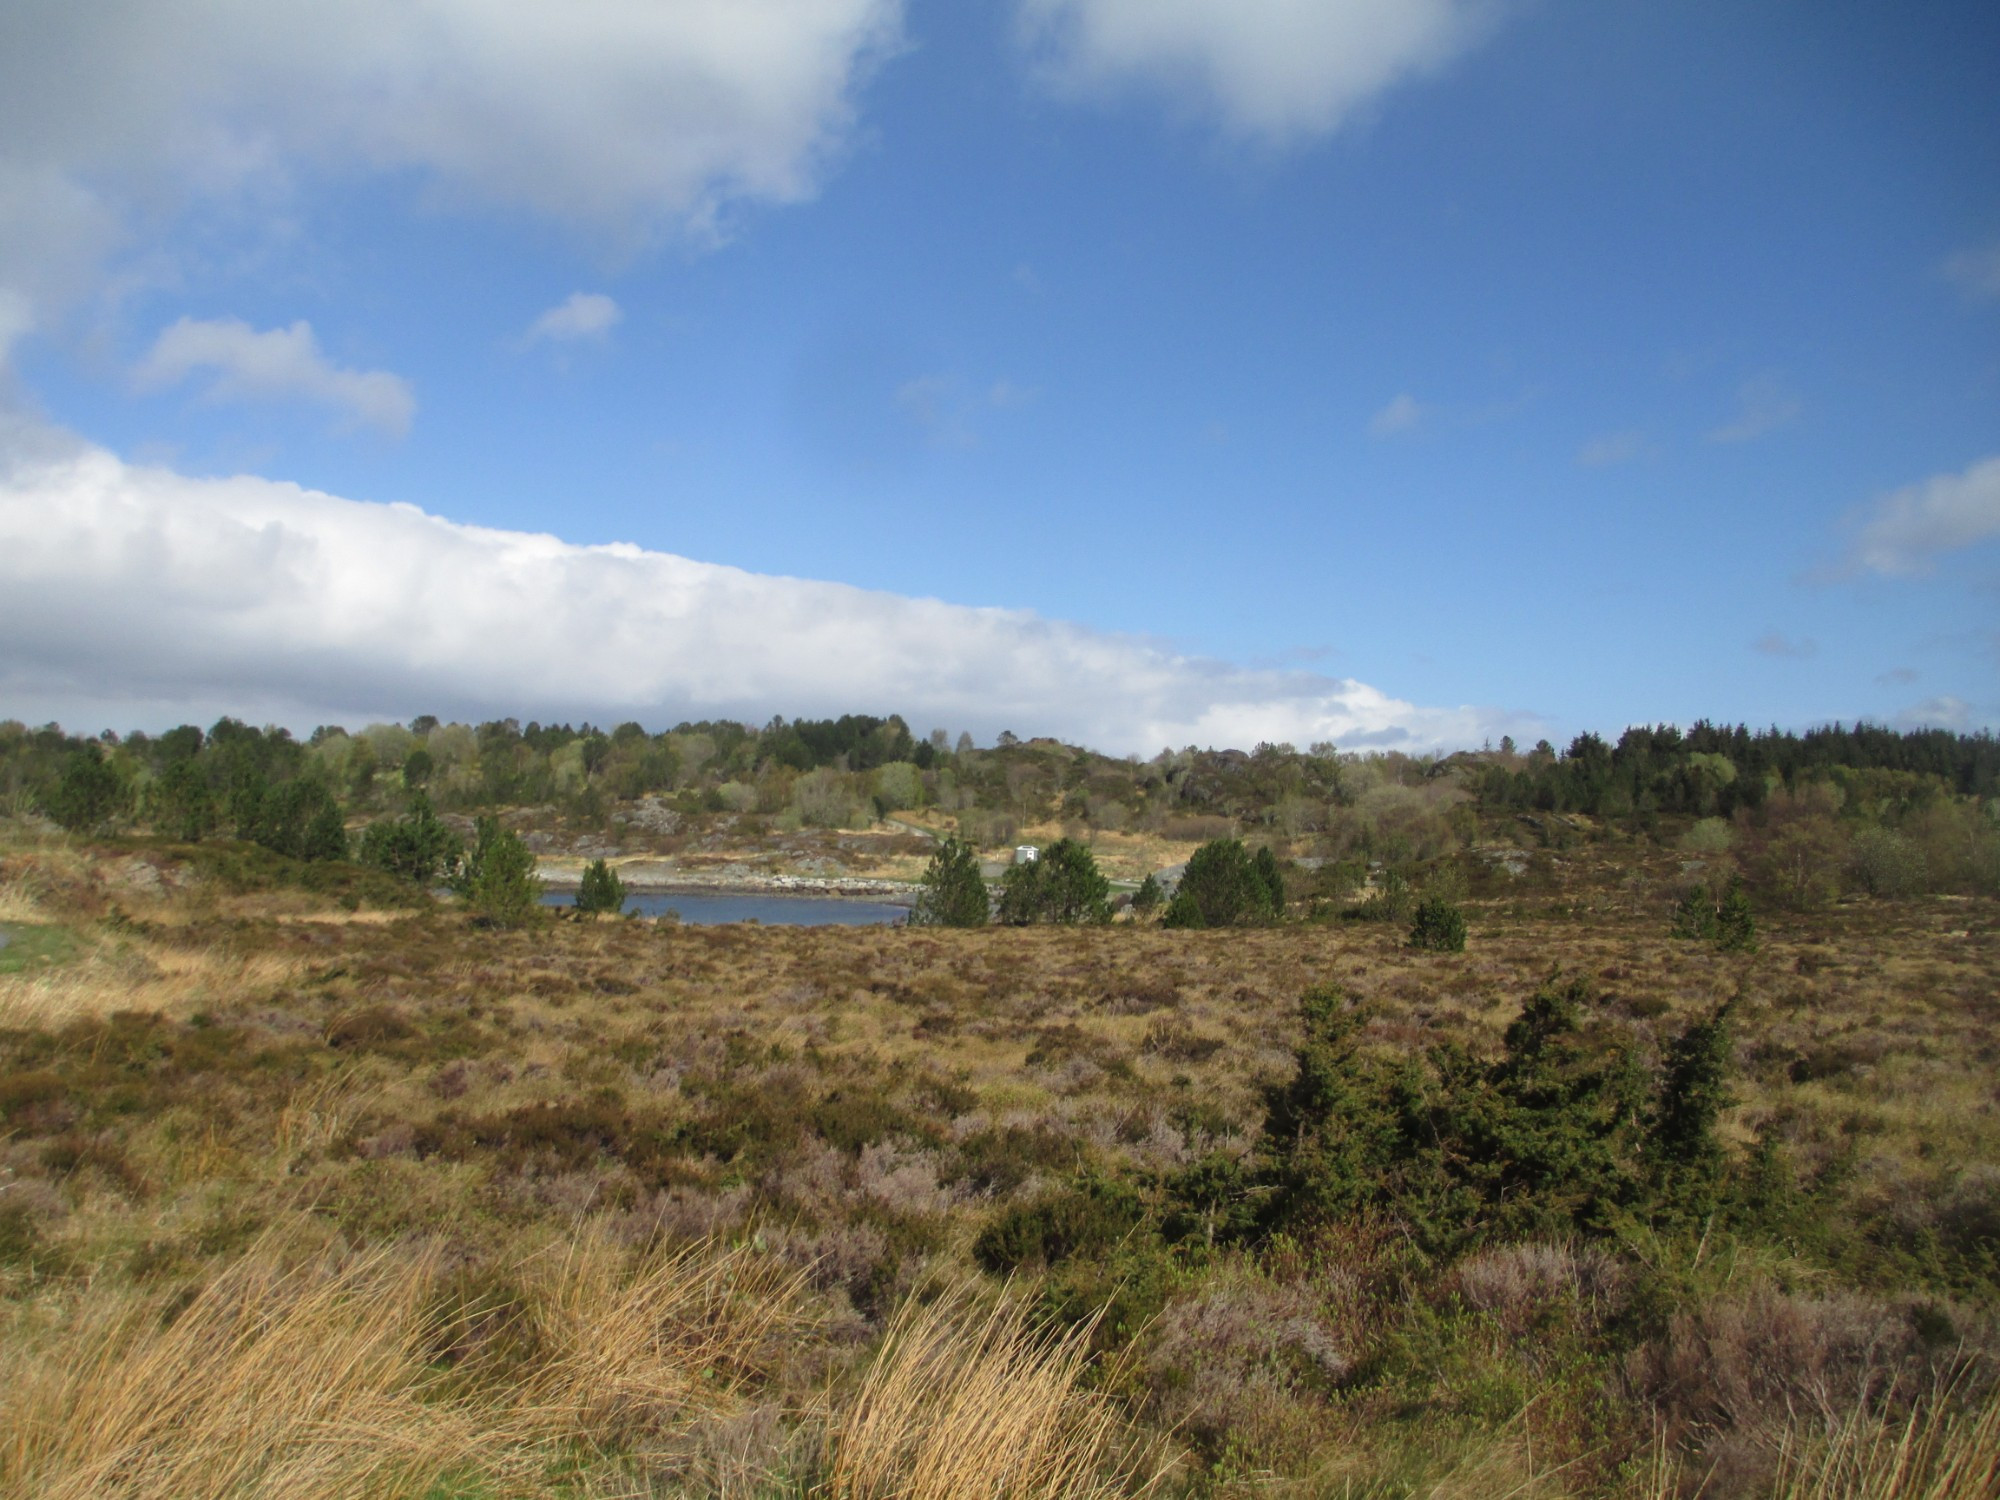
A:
(307, 1194)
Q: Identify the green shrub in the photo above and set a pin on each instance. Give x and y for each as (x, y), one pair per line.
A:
(1439, 927)
(1090, 1216)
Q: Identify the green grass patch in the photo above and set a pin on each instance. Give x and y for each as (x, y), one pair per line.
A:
(34, 946)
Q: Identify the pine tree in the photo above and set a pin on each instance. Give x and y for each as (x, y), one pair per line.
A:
(1148, 898)
(601, 890)
(953, 894)
(498, 879)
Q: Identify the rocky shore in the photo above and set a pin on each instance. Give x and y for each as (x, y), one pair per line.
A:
(650, 877)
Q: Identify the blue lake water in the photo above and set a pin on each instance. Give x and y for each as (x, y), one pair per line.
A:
(705, 908)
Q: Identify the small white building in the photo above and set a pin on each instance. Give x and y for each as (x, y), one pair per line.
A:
(1026, 854)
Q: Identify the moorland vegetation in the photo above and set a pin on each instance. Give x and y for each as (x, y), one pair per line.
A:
(1623, 1121)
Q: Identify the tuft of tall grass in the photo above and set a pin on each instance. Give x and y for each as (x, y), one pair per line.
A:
(279, 1381)
(633, 1344)
(962, 1402)
(1936, 1453)
(293, 1374)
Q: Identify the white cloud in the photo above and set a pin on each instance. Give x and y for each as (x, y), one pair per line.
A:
(1976, 272)
(1276, 70)
(1763, 404)
(1613, 448)
(1903, 533)
(628, 118)
(582, 315)
(129, 591)
(1404, 414)
(277, 363)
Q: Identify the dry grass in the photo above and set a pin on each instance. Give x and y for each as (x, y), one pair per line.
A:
(135, 975)
(277, 1381)
(1936, 1453)
(961, 1402)
(861, 1103)
(301, 1373)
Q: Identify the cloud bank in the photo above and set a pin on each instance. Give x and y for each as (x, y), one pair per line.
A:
(138, 596)
(1274, 70)
(276, 364)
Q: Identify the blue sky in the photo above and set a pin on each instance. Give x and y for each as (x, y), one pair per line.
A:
(1393, 373)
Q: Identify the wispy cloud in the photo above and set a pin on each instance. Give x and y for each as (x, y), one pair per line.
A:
(581, 315)
(1271, 70)
(1614, 448)
(1898, 677)
(1902, 534)
(1941, 712)
(126, 589)
(276, 364)
(1776, 643)
(1402, 415)
(1763, 404)
(1976, 272)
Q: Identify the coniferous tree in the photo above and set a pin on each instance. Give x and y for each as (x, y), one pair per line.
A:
(87, 794)
(953, 893)
(601, 890)
(1221, 887)
(1149, 897)
(419, 846)
(1735, 923)
(498, 878)
(1063, 885)
(181, 804)
(1695, 916)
